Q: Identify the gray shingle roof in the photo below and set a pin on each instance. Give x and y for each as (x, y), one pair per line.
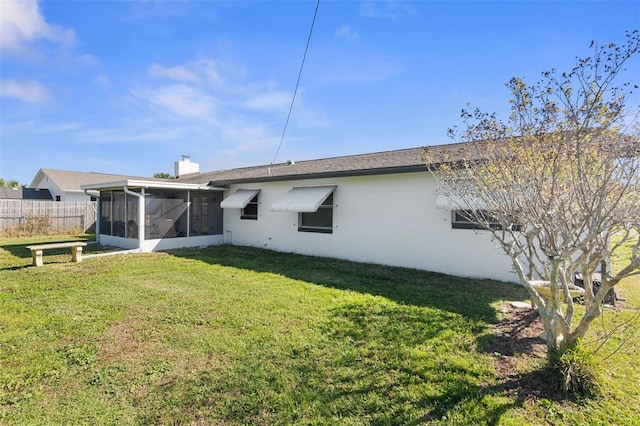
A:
(399, 161)
(10, 193)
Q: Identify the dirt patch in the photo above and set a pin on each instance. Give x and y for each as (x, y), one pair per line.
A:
(121, 344)
(520, 353)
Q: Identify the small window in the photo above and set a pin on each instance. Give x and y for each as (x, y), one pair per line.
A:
(57, 198)
(319, 221)
(250, 211)
(465, 219)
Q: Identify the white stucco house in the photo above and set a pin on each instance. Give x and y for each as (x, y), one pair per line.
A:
(379, 208)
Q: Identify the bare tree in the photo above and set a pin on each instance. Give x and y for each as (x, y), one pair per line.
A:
(557, 186)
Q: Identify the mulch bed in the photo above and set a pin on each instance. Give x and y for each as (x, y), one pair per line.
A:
(517, 344)
(517, 347)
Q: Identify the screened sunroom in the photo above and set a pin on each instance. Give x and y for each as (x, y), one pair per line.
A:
(154, 215)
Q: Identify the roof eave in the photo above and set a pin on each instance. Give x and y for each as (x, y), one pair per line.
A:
(344, 173)
(36, 178)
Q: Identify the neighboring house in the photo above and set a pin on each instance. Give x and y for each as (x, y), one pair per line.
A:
(380, 208)
(31, 194)
(64, 185)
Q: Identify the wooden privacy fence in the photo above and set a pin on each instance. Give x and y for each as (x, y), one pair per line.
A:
(46, 217)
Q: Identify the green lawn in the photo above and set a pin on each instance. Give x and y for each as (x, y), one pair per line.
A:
(232, 335)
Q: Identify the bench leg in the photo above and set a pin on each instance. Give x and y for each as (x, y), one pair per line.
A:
(37, 257)
(76, 254)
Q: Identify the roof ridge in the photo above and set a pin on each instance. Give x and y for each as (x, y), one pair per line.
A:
(81, 172)
(360, 155)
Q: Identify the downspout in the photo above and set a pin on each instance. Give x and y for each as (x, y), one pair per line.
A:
(141, 230)
(189, 213)
(98, 207)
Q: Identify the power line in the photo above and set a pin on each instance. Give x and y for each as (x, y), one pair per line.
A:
(295, 91)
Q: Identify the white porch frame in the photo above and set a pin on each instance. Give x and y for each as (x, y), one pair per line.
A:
(148, 245)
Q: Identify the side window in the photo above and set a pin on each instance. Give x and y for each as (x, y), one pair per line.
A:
(319, 221)
(251, 209)
(464, 219)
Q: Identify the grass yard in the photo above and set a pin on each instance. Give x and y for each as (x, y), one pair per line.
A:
(233, 335)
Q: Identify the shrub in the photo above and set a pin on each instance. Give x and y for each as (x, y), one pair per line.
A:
(33, 225)
(575, 370)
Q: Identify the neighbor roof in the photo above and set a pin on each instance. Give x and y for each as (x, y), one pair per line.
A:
(71, 181)
(25, 194)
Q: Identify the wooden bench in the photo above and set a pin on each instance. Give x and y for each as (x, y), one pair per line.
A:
(76, 250)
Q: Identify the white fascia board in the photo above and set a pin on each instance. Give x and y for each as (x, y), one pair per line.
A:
(150, 184)
(36, 180)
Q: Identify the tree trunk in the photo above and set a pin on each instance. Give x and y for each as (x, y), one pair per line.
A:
(557, 331)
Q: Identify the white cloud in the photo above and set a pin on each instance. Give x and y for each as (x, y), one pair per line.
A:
(199, 90)
(196, 72)
(215, 103)
(267, 100)
(87, 60)
(26, 91)
(347, 33)
(59, 127)
(127, 132)
(21, 24)
(103, 80)
(390, 9)
(179, 73)
(179, 99)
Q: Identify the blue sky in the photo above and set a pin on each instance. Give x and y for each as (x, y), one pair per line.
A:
(128, 87)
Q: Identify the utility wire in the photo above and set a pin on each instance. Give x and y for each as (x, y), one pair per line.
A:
(295, 91)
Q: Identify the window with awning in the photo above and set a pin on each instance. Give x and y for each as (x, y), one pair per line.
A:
(239, 199)
(314, 205)
(244, 199)
(304, 199)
